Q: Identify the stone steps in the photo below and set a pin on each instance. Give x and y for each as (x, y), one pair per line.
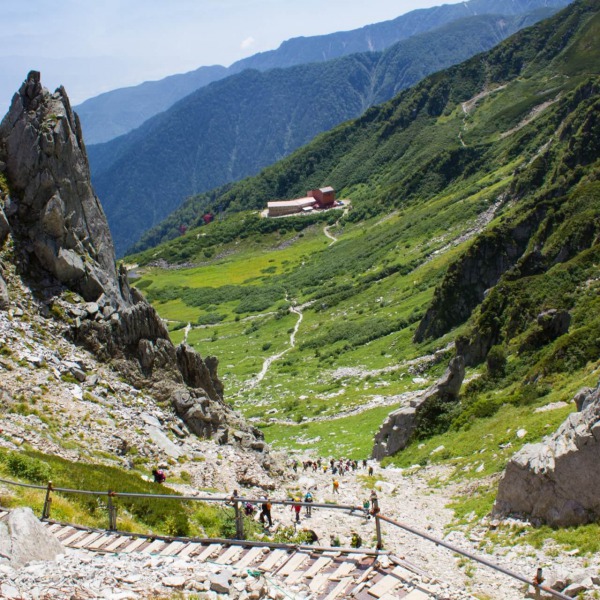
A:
(330, 574)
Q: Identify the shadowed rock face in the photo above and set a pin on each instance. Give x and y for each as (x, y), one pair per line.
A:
(400, 425)
(556, 481)
(62, 241)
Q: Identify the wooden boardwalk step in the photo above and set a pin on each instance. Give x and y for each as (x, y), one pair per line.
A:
(155, 547)
(232, 553)
(52, 527)
(362, 582)
(63, 532)
(388, 583)
(275, 557)
(88, 539)
(292, 564)
(339, 589)
(79, 534)
(319, 582)
(252, 555)
(119, 541)
(98, 543)
(321, 563)
(344, 569)
(135, 544)
(209, 551)
(190, 549)
(173, 548)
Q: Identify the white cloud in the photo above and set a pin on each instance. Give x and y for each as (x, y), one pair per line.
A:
(248, 43)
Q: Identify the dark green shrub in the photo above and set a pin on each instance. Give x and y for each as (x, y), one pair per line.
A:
(496, 362)
(26, 467)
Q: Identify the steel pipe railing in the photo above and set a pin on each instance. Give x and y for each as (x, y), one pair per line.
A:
(235, 501)
(536, 583)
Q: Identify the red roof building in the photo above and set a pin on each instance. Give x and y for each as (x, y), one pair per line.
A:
(325, 197)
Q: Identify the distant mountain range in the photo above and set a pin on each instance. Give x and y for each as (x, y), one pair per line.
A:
(117, 112)
(235, 127)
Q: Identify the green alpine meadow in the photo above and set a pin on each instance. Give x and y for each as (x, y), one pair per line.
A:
(471, 215)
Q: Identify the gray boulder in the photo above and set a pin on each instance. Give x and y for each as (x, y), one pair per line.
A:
(24, 539)
(400, 425)
(557, 481)
(4, 297)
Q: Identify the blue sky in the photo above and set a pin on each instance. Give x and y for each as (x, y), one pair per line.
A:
(92, 46)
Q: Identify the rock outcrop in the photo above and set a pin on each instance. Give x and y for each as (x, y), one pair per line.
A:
(400, 425)
(24, 539)
(556, 481)
(470, 277)
(62, 243)
(52, 204)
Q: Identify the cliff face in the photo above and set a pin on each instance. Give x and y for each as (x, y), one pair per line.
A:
(52, 207)
(63, 249)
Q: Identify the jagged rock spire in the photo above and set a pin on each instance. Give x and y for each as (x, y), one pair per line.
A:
(52, 204)
(62, 241)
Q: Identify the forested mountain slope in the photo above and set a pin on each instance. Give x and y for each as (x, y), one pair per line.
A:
(119, 111)
(475, 221)
(479, 116)
(235, 127)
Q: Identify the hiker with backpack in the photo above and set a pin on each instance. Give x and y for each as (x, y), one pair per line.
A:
(297, 508)
(159, 475)
(308, 498)
(265, 512)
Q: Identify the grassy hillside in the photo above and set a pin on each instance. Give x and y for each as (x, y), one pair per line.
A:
(475, 209)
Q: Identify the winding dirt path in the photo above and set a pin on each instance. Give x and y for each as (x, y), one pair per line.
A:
(329, 234)
(328, 227)
(252, 383)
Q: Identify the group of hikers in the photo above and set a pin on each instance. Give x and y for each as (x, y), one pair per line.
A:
(369, 509)
(339, 467)
(265, 509)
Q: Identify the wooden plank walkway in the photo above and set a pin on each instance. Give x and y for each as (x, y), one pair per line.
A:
(330, 574)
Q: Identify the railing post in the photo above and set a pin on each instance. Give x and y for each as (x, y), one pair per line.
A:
(239, 519)
(112, 511)
(537, 581)
(47, 502)
(375, 510)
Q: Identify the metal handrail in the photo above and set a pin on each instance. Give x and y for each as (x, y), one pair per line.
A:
(236, 500)
(474, 557)
(181, 498)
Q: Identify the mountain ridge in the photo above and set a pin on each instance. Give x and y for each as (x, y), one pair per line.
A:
(100, 119)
